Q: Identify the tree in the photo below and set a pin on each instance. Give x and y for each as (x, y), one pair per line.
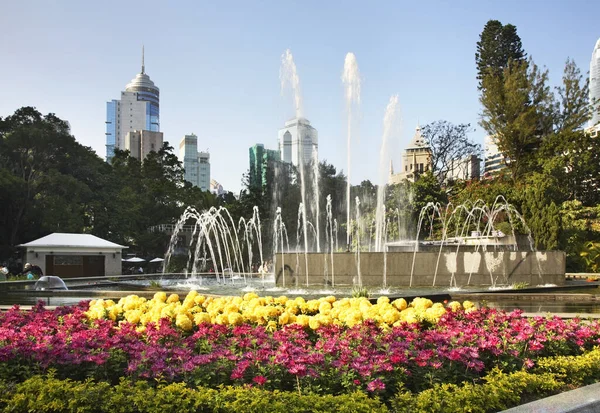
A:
(449, 146)
(571, 153)
(497, 46)
(47, 177)
(540, 211)
(518, 110)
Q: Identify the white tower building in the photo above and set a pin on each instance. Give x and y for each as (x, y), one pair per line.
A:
(137, 110)
(297, 140)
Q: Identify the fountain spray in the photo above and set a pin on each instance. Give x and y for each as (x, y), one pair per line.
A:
(289, 74)
(389, 121)
(351, 80)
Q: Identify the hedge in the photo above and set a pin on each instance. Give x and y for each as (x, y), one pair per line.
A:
(498, 391)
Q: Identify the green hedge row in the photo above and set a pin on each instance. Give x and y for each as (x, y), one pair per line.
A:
(48, 394)
(498, 392)
(501, 391)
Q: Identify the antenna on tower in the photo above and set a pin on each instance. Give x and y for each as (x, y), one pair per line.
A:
(143, 68)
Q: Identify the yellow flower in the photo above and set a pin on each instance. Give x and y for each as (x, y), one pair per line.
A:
(221, 319)
(192, 295)
(160, 296)
(314, 323)
(271, 326)
(383, 300)
(182, 321)
(235, 319)
(454, 306)
(324, 320)
(133, 316)
(173, 298)
(391, 316)
(200, 318)
(284, 318)
(324, 307)
(400, 304)
(302, 320)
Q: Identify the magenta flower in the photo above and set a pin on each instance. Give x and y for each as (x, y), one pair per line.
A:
(260, 380)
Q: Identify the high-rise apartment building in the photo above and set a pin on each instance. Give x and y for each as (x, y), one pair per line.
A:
(259, 160)
(595, 87)
(464, 169)
(494, 160)
(196, 164)
(137, 110)
(298, 142)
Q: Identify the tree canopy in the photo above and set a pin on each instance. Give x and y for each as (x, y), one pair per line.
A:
(497, 46)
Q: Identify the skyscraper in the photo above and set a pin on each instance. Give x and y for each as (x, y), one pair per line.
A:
(595, 86)
(137, 110)
(196, 164)
(297, 141)
(259, 162)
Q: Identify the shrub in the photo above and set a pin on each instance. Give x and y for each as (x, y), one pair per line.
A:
(48, 394)
(499, 392)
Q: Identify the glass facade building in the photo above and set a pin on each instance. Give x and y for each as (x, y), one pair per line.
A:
(259, 161)
(112, 114)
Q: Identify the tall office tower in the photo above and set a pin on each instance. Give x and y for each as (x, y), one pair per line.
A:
(196, 164)
(297, 140)
(595, 86)
(137, 110)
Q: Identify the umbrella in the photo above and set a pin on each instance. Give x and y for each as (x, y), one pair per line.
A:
(135, 259)
(157, 260)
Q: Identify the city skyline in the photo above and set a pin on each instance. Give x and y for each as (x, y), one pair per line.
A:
(218, 67)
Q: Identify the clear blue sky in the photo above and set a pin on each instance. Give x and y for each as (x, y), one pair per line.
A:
(217, 65)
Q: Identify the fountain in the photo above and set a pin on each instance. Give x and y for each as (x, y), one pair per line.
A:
(466, 249)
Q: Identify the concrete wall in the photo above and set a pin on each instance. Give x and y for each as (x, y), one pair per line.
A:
(462, 268)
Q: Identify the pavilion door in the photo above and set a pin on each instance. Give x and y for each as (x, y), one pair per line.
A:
(93, 265)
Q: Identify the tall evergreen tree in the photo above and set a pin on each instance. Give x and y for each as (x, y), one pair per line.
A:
(518, 110)
(498, 45)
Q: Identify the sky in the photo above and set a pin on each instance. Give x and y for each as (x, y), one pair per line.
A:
(217, 66)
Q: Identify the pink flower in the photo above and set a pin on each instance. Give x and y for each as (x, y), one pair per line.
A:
(375, 385)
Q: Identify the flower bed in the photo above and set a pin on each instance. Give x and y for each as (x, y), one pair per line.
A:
(387, 350)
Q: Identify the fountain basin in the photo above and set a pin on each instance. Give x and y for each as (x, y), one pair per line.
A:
(464, 268)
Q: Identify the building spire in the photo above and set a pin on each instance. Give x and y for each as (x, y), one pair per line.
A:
(143, 67)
